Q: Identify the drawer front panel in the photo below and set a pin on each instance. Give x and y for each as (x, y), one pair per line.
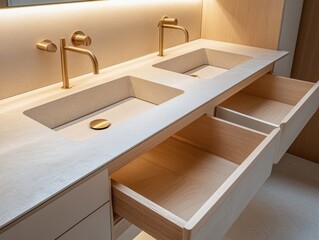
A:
(146, 215)
(60, 215)
(297, 119)
(96, 226)
(223, 213)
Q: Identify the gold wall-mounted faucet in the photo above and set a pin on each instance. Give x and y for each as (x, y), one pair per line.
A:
(78, 38)
(167, 22)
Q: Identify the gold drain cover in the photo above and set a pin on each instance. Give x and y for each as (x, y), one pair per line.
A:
(99, 124)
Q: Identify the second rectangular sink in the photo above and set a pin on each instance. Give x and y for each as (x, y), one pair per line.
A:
(203, 63)
(117, 101)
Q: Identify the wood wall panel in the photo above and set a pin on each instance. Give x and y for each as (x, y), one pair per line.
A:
(3, 3)
(307, 143)
(306, 67)
(250, 22)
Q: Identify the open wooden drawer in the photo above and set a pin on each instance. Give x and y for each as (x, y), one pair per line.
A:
(195, 184)
(273, 102)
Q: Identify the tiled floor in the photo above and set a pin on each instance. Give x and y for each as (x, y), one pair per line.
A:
(285, 208)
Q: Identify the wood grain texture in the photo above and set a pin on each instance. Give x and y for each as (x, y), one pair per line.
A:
(305, 64)
(145, 214)
(305, 67)
(258, 107)
(250, 22)
(179, 178)
(306, 144)
(217, 138)
(281, 89)
(183, 175)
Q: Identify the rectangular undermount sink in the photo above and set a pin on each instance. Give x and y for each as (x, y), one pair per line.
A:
(117, 101)
(203, 63)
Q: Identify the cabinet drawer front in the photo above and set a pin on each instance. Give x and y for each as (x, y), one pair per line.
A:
(52, 220)
(96, 226)
(223, 212)
(181, 189)
(273, 101)
(297, 119)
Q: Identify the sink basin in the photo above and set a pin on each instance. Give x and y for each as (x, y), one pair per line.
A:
(117, 101)
(203, 63)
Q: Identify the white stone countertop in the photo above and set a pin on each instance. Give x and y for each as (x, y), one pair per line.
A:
(37, 163)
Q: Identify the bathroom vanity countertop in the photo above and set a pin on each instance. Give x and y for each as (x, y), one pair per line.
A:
(37, 163)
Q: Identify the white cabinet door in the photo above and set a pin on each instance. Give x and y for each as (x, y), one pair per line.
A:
(97, 226)
(63, 213)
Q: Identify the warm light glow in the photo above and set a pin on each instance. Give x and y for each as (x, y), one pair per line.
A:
(153, 1)
(85, 5)
(29, 10)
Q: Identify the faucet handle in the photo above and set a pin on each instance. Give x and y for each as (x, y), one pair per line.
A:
(79, 38)
(47, 45)
(167, 20)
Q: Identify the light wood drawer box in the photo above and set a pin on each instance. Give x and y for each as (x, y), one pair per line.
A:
(195, 184)
(96, 226)
(61, 214)
(273, 102)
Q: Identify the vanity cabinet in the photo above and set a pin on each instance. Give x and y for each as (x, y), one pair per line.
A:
(195, 184)
(79, 206)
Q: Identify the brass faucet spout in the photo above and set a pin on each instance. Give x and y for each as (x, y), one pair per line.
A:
(88, 53)
(167, 22)
(179, 28)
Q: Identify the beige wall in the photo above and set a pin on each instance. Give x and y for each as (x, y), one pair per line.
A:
(120, 30)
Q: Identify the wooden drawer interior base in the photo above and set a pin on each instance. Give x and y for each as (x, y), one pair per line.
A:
(270, 98)
(258, 107)
(177, 176)
(174, 180)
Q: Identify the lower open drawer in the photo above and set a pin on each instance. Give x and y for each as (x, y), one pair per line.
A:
(195, 184)
(272, 102)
